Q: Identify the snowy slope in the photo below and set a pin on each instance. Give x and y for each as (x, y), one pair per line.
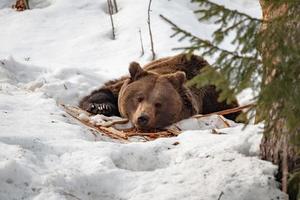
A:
(61, 50)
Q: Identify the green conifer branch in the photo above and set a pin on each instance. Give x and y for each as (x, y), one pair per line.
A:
(230, 20)
(275, 76)
(214, 8)
(198, 43)
(241, 77)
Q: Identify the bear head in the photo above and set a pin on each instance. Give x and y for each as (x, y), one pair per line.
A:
(150, 100)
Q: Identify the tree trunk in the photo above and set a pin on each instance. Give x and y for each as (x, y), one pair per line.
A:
(21, 5)
(277, 144)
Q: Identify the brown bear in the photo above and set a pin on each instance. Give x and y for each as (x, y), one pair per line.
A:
(155, 96)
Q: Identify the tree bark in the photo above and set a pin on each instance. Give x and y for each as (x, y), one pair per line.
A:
(277, 144)
(21, 5)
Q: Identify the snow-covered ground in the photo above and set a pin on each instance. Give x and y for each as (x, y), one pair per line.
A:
(58, 52)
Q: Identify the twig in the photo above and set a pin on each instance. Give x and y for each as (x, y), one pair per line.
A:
(142, 45)
(114, 133)
(109, 131)
(124, 135)
(116, 6)
(71, 195)
(121, 121)
(175, 131)
(224, 121)
(110, 10)
(227, 111)
(216, 132)
(220, 196)
(150, 32)
(151, 135)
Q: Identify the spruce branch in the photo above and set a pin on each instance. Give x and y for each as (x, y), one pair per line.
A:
(230, 21)
(214, 7)
(239, 77)
(198, 43)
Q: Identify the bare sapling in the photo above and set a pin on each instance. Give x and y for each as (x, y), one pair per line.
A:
(150, 31)
(110, 11)
(116, 6)
(142, 45)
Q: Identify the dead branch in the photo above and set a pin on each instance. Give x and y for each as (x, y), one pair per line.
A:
(109, 131)
(124, 135)
(161, 133)
(150, 31)
(121, 121)
(227, 111)
(142, 45)
(175, 131)
(220, 196)
(116, 6)
(110, 10)
(224, 121)
(69, 194)
(113, 133)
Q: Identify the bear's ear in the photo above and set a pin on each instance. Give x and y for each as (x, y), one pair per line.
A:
(136, 71)
(177, 79)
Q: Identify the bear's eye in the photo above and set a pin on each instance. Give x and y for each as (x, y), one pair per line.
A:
(140, 99)
(157, 105)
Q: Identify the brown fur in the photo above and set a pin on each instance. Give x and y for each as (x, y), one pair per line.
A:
(157, 91)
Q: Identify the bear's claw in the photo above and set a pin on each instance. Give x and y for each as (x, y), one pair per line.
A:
(102, 108)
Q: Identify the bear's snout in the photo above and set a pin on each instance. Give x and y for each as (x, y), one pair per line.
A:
(143, 120)
(144, 116)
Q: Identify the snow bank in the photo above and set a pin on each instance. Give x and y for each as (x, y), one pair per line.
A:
(44, 155)
(61, 50)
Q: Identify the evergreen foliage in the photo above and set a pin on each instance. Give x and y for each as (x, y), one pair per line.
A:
(244, 67)
(282, 41)
(266, 59)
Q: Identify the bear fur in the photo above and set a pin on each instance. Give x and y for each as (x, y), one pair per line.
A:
(155, 96)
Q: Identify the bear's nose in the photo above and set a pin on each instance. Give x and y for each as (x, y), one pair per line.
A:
(143, 120)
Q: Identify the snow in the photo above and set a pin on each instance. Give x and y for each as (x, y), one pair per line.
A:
(59, 51)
